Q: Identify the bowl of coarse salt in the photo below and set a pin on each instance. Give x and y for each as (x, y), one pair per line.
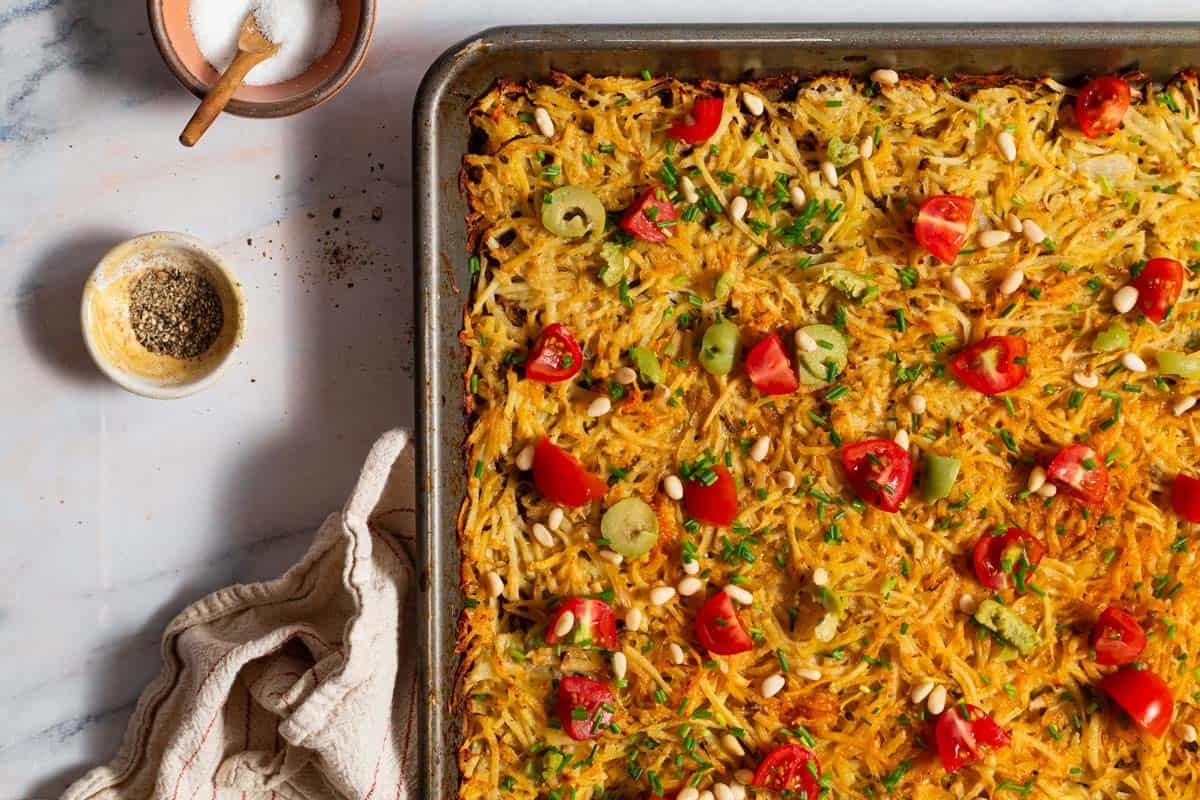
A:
(322, 44)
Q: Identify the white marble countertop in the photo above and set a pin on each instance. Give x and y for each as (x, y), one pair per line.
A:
(118, 510)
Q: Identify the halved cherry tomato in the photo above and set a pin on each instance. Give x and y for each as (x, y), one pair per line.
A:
(1185, 497)
(719, 629)
(583, 707)
(699, 124)
(646, 217)
(560, 477)
(1101, 105)
(712, 503)
(992, 365)
(1079, 471)
(1014, 552)
(595, 623)
(555, 356)
(941, 226)
(790, 768)
(962, 740)
(1144, 696)
(769, 367)
(1117, 637)
(880, 471)
(1158, 284)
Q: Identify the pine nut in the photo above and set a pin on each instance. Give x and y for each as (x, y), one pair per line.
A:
(921, 691)
(1037, 479)
(691, 567)
(625, 375)
(1012, 281)
(966, 603)
(661, 392)
(740, 595)
(1133, 362)
(799, 198)
(988, 239)
(612, 557)
(1033, 232)
(809, 673)
(1187, 732)
(673, 487)
(1088, 380)
(1014, 223)
(737, 788)
(495, 586)
(772, 685)
(1008, 145)
(620, 665)
(707, 795)
(721, 791)
(901, 438)
(554, 519)
(676, 654)
(1183, 406)
(1048, 490)
(785, 479)
(546, 125)
(917, 403)
(688, 793)
(732, 745)
(937, 700)
(689, 189)
(1124, 299)
(761, 447)
(661, 595)
(885, 77)
(753, 103)
(565, 623)
(524, 459)
(542, 534)
(805, 342)
(599, 407)
(633, 619)
(829, 172)
(738, 207)
(958, 287)
(866, 147)
(689, 586)
(820, 577)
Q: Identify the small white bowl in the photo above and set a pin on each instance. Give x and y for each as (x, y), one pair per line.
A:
(110, 338)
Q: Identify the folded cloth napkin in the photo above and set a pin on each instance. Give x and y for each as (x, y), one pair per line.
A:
(298, 689)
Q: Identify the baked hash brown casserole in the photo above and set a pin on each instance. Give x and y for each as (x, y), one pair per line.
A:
(832, 438)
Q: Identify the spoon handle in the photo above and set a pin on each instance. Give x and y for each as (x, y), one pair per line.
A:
(218, 97)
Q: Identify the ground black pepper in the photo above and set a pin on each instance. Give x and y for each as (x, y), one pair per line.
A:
(175, 312)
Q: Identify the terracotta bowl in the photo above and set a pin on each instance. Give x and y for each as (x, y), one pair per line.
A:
(170, 24)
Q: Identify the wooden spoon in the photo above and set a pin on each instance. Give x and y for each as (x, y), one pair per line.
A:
(253, 48)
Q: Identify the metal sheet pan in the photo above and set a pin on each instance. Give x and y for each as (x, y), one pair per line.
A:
(724, 52)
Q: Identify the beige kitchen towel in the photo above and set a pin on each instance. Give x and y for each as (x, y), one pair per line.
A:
(301, 688)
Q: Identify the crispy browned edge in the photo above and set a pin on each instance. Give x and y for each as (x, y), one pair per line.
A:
(780, 85)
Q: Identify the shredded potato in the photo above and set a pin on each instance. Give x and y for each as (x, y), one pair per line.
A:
(1105, 205)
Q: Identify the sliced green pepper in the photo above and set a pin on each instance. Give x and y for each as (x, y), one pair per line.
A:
(1171, 362)
(853, 285)
(841, 154)
(615, 262)
(646, 364)
(1114, 337)
(630, 526)
(1008, 625)
(723, 286)
(827, 361)
(718, 348)
(938, 474)
(572, 211)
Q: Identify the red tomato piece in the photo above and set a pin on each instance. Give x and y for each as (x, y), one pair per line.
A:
(1185, 497)
(560, 477)
(1079, 471)
(555, 356)
(699, 124)
(1159, 285)
(595, 624)
(644, 219)
(992, 365)
(1014, 552)
(719, 629)
(941, 226)
(1101, 105)
(1144, 696)
(583, 707)
(880, 471)
(1117, 637)
(790, 768)
(962, 740)
(712, 503)
(769, 367)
